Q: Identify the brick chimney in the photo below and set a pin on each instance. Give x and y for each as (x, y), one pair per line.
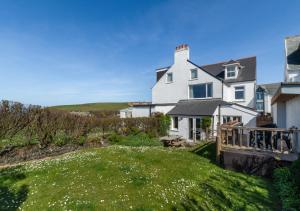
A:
(182, 53)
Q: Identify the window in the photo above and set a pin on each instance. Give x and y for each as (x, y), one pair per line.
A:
(169, 77)
(194, 73)
(259, 96)
(231, 71)
(175, 123)
(239, 92)
(231, 118)
(260, 106)
(201, 91)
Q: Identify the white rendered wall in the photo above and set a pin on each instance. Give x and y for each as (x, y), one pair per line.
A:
(162, 109)
(183, 129)
(229, 93)
(293, 112)
(248, 116)
(279, 114)
(164, 92)
(141, 111)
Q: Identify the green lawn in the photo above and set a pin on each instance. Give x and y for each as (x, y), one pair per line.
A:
(137, 178)
(93, 107)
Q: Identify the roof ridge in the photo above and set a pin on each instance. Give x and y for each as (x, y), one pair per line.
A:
(248, 57)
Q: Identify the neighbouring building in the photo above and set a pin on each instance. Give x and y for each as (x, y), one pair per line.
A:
(223, 91)
(286, 100)
(264, 94)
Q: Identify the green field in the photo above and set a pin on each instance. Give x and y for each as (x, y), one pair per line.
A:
(92, 107)
(132, 178)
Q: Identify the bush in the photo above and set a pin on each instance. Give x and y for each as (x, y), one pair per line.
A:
(135, 140)
(295, 171)
(61, 138)
(48, 126)
(285, 183)
(115, 138)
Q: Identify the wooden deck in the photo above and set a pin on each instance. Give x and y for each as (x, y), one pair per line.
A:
(279, 143)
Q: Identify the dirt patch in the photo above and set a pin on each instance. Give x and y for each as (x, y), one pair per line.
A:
(13, 155)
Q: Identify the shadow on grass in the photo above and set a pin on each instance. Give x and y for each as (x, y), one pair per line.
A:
(227, 190)
(207, 150)
(12, 198)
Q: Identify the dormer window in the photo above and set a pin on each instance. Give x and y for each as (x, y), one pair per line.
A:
(231, 71)
(169, 77)
(194, 74)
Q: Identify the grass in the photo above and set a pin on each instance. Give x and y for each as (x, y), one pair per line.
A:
(92, 107)
(132, 178)
(134, 140)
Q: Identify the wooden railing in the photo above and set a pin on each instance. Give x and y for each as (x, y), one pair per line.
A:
(275, 140)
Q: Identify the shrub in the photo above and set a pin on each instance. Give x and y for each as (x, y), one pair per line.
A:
(285, 184)
(164, 122)
(59, 127)
(295, 171)
(135, 140)
(115, 138)
(61, 138)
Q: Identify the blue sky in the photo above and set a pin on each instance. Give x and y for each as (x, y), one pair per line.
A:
(67, 51)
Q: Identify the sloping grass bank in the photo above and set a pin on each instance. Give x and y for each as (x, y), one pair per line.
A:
(92, 107)
(132, 178)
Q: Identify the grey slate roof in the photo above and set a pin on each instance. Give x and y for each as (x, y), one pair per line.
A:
(197, 107)
(270, 88)
(246, 73)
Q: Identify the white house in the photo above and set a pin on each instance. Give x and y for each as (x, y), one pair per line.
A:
(187, 92)
(286, 101)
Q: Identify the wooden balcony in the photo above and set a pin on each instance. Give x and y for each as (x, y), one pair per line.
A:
(279, 143)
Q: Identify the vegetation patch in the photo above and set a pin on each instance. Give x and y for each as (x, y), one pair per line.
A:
(92, 107)
(287, 182)
(135, 140)
(132, 178)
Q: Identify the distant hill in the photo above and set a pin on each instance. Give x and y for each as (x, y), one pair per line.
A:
(92, 107)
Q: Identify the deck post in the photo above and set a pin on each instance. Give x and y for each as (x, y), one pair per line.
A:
(241, 137)
(219, 143)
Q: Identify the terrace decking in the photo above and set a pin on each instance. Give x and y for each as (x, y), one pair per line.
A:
(239, 145)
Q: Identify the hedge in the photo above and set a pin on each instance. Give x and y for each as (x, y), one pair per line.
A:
(45, 126)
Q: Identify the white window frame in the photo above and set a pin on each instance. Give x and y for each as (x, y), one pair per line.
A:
(244, 89)
(235, 72)
(167, 78)
(173, 123)
(195, 69)
(212, 91)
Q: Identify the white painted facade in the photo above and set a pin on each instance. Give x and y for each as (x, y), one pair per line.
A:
(249, 99)
(174, 85)
(247, 116)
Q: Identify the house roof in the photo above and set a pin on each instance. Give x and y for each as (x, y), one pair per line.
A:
(286, 91)
(270, 88)
(246, 73)
(196, 107)
(247, 70)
